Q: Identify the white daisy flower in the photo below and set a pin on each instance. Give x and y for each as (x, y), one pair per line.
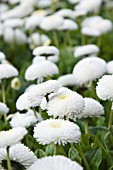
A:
(79, 13)
(49, 50)
(51, 22)
(89, 69)
(65, 13)
(65, 103)
(110, 67)
(21, 157)
(104, 88)
(3, 109)
(41, 69)
(68, 25)
(7, 71)
(24, 120)
(13, 22)
(12, 136)
(43, 3)
(74, 1)
(56, 163)
(42, 90)
(92, 108)
(90, 31)
(67, 80)
(85, 50)
(23, 102)
(52, 58)
(57, 131)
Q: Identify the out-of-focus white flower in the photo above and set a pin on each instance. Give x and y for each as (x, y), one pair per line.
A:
(67, 80)
(52, 58)
(37, 40)
(2, 56)
(89, 69)
(43, 3)
(42, 90)
(92, 108)
(12, 136)
(79, 13)
(51, 22)
(104, 88)
(16, 83)
(110, 67)
(19, 155)
(49, 50)
(90, 6)
(24, 120)
(97, 24)
(65, 13)
(57, 131)
(68, 25)
(7, 71)
(41, 69)
(74, 1)
(3, 7)
(65, 103)
(13, 22)
(3, 109)
(56, 163)
(89, 49)
(90, 31)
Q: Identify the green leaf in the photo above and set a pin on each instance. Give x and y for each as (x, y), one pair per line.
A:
(50, 150)
(94, 157)
(40, 153)
(74, 155)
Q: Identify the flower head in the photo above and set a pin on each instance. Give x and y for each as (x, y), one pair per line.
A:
(57, 131)
(110, 67)
(67, 80)
(56, 163)
(3, 109)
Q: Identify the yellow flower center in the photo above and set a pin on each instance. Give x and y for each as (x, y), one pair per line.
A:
(63, 97)
(55, 125)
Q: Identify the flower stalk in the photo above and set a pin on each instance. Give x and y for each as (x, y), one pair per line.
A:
(8, 159)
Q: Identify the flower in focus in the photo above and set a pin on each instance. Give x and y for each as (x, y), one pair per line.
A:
(57, 131)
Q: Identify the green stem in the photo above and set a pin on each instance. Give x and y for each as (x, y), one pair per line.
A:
(86, 126)
(35, 113)
(110, 119)
(83, 39)
(83, 157)
(55, 149)
(62, 150)
(8, 159)
(3, 96)
(55, 37)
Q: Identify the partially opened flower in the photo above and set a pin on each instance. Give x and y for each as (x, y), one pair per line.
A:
(67, 80)
(104, 88)
(110, 67)
(85, 50)
(21, 157)
(51, 22)
(16, 83)
(45, 50)
(3, 109)
(56, 163)
(12, 136)
(65, 103)
(42, 89)
(57, 131)
(7, 71)
(24, 120)
(92, 108)
(40, 70)
(89, 69)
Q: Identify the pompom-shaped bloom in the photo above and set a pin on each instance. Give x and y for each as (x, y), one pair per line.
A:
(89, 69)
(42, 90)
(68, 25)
(65, 13)
(104, 88)
(23, 102)
(52, 58)
(85, 50)
(51, 22)
(13, 22)
(3, 109)
(90, 31)
(24, 120)
(21, 157)
(92, 108)
(7, 71)
(49, 50)
(56, 163)
(67, 80)
(41, 69)
(12, 136)
(57, 131)
(110, 67)
(65, 103)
